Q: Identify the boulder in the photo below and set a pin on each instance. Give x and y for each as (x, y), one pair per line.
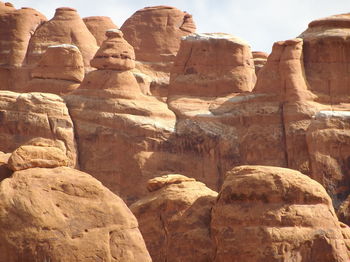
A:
(59, 71)
(127, 129)
(326, 57)
(174, 219)
(275, 214)
(62, 214)
(39, 152)
(66, 27)
(27, 116)
(98, 25)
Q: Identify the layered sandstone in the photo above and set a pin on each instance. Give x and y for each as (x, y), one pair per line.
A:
(274, 214)
(62, 214)
(98, 25)
(326, 56)
(260, 59)
(27, 116)
(174, 219)
(66, 27)
(127, 129)
(59, 71)
(155, 33)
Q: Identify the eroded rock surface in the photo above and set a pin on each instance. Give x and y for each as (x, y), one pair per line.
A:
(98, 25)
(174, 219)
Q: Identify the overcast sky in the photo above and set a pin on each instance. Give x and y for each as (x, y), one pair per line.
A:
(260, 22)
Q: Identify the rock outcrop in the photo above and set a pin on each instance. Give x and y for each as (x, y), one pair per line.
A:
(66, 27)
(98, 25)
(62, 214)
(260, 59)
(174, 219)
(155, 33)
(27, 116)
(5, 172)
(274, 214)
(326, 56)
(127, 129)
(59, 71)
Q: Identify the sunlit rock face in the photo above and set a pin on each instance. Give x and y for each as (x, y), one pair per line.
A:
(98, 25)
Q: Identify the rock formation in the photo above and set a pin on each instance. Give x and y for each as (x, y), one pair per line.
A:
(174, 219)
(62, 214)
(16, 28)
(275, 214)
(155, 33)
(260, 59)
(126, 129)
(66, 27)
(59, 71)
(326, 45)
(5, 172)
(27, 116)
(98, 25)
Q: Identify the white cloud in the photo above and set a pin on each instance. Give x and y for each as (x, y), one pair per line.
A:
(260, 22)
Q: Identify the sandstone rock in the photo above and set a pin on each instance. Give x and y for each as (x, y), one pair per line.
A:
(326, 56)
(174, 219)
(62, 214)
(127, 129)
(6, 7)
(5, 172)
(115, 53)
(27, 116)
(98, 25)
(66, 27)
(328, 139)
(39, 152)
(155, 32)
(274, 214)
(59, 71)
(194, 73)
(260, 59)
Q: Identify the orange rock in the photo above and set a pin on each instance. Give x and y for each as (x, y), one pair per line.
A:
(98, 25)
(59, 71)
(269, 214)
(115, 53)
(62, 214)
(211, 65)
(155, 32)
(127, 129)
(39, 152)
(326, 45)
(260, 59)
(66, 27)
(27, 116)
(174, 219)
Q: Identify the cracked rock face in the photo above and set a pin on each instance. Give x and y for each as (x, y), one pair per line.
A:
(155, 32)
(174, 219)
(63, 214)
(275, 214)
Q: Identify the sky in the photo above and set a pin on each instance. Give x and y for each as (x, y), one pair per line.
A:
(259, 22)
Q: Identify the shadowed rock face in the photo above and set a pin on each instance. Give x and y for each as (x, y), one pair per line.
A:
(59, 71)
(174, 219)
(98, 25)
(326, 54)
(155, 32)
(66, 27)
(274, 214)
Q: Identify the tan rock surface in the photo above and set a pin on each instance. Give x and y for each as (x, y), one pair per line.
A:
(174, 219)
(274, 214)
(27, 116)
(63, 214)
(326, 56)
(59, 71)
(155, 32)
(66, 27)
(98, 25)
(127, 130)
(39, 152)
